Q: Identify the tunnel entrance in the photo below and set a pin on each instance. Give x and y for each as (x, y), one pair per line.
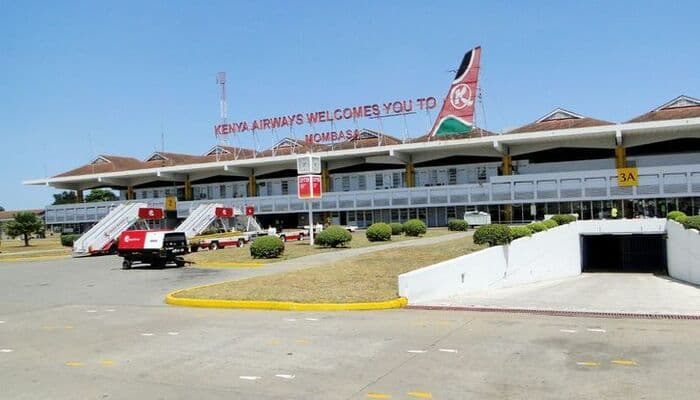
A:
(624, 253)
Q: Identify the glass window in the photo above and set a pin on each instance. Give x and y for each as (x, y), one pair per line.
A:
(285, 187)
(378, 181)
(222, 191)
(452, 176)
(396, 180)
(362, 182)
(346, 183)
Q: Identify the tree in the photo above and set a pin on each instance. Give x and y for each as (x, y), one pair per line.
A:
(24, 224)
(100, 195)
(67, 197)
(2, 208)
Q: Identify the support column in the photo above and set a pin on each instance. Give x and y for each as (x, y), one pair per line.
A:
(252, 185)
(410, 174)
(325, 180)
(79, 196)
(507, 169)
(129, 192)
(620, 157)
(188, 188)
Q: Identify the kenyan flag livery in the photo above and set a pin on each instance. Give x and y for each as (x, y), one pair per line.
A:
(457, 113)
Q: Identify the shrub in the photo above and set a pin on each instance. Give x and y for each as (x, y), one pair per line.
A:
(563, 219)
(457, 225)
(678, 216)
(492, 234)
(266, 247)
(414, 227)
(333, 236)
(67, 239)
(537, 227)
(550, 223)
(692, 222)
(517, 232)
(379, 232)
(396, 228)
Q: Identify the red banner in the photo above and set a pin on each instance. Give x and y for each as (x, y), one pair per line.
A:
(309, 186)
(151, 213)
(223, 212)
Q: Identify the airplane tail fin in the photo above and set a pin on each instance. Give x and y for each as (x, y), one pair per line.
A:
(457, 113)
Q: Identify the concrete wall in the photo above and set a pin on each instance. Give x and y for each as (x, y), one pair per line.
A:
(683, 252)
(552, 254)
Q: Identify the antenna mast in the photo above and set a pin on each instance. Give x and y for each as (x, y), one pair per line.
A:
(221, 139)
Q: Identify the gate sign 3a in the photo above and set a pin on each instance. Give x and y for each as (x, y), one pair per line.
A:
(309, 186)
(627, 177)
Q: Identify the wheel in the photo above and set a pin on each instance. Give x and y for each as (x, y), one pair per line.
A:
(284, 238)
(194, 248)
(213, 245)
(301, 236)
(126, 264)
(240, 244)
(158, 263)
(179, 263)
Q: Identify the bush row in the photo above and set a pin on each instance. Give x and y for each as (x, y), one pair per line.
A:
(692, 222)
(266, 247)
(379, 232)
(498, 234)
(67, 239)
(457, 225)
(333, 236)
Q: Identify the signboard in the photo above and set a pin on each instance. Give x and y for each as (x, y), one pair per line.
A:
(171, 203)
(151, 213)
(249, 211)
(627, 177)
(308, 165)
(223, 212)
(309, 186)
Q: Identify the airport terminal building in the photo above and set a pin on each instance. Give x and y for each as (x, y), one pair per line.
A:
(563, 162)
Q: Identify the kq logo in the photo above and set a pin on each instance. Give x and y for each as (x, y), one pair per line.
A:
(151, 213)
(128, 239)
(461, 96)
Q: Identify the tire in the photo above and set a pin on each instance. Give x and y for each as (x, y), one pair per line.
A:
(193, 248)
(180, 263)
(240, 244)
(284, 238)
(301, 236)
(214, 246)
(158, 263)
(126, 264)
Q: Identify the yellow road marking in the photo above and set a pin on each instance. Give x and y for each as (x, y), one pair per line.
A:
(588, 364)
(68, 327)
(274, 342)
(38, 258)
(624, 362)
(372, 395)
(214, 264)
(74, 364)
(107, 362)
(303, 341)
(421, 395)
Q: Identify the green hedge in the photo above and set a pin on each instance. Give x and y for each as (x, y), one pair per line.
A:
(678, 216)
(492, 234)
(67, 239)
(550, 223)
(414, 227)
(517, 232)
(266, 247)
(563, 219)
(333, 236)
(457, 225)
(396, 228)
(379, 232)
(692, 222)
(537, 227)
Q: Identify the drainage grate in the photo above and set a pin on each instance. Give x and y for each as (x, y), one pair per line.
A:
(560, 313)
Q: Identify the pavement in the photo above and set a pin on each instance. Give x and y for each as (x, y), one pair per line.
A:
(85, 329)
(637, 293)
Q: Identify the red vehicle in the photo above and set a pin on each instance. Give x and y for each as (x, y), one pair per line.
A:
(152, 247)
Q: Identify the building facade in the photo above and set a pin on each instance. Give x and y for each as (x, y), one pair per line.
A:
(563, 162)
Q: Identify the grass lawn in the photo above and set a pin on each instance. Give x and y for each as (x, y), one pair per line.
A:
(294, 249)
(51, 246)
(368, 277)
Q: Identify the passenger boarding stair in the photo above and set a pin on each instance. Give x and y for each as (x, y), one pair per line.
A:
(199, 220)
(101, 236)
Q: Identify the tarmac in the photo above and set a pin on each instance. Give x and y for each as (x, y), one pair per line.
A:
(85, 329)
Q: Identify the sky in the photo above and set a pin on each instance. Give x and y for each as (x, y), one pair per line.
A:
(78, 79)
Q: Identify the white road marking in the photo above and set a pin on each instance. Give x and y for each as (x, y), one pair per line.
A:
(110, 310)
(417, 351)
(448, 350)
(91, 311)
(567, 330)
(2, 322)
(596, 330)
(249, 378)
(311, 319)
(290, 319)
(283, 376)
(6, 350)
(173, 333)
(147, 334)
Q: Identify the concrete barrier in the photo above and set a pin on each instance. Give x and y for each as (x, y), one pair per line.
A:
(683, 253)
(552, 254)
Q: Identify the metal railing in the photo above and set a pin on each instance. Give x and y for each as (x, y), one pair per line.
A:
(671, 181)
